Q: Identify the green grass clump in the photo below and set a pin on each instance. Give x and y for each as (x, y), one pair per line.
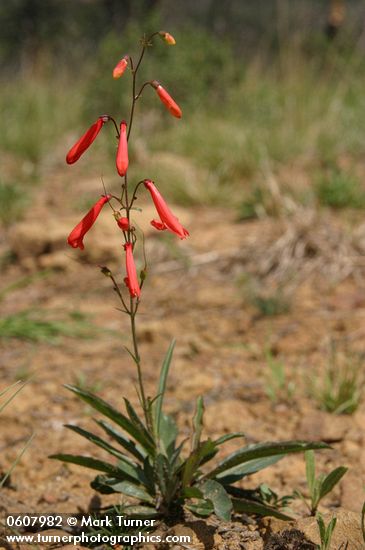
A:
(339, 390)
(340, 189)
(26, 325)
(13, 200)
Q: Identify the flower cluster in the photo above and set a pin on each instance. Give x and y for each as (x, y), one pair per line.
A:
(166, 219)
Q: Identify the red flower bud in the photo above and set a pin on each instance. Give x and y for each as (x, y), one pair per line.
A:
(168, 220)
(167, 37)
(131, 280)
(75, 238)
(122, 152)
(120, 67)
(86, 140)
(167, 99)
(123, 223)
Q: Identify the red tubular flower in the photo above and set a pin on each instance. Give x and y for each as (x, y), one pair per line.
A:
(120, 67)
(123, 223)
(75, 238)
(167, 218)
(122, 152)
(167, 37)
(167, 99)
(86, 140)
(131, 280)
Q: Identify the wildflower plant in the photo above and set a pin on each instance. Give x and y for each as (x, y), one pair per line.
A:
(149, 462)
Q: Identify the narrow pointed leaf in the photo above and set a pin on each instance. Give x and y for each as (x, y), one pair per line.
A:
(125, 464)
(331, 480)
(310, 470)
(198, 423)
(127, 444)
(228, 437)
(107, 410)
(215, 492)
(125, 487)
(91, 463)
(134, 418)
(247, 468)
(261, 450)
(194, 460)
(168, 434)
(259, 508)
(162, 386)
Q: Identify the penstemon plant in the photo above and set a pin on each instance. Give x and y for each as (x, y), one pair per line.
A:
(149, 462)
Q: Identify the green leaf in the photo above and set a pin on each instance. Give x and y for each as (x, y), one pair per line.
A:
(134, 418)
(228, 437)
(201, 508)
(141, 512)
(321, 527)
(329, 531)
(125, 464)
(254, 507)
(168, 434)
(107, 410)
(192, 492)
(247, 468)
(310, 469)
(127, 444)
(197, 423)
(261, 450)
(125, 487)
(215, 492)
(194, 459)
(89, 462)
(331, 480)
(162, 386)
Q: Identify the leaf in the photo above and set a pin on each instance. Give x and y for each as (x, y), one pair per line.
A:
(329, 531)
(331, 480)
(262, 450)
(89, 462)
(197, 423)
(141, 512)
(201, 508)
(125, 464)
(259, 508)
(162, 386)
(215, 492)
(125, 487)
(310, 469)
(192, 492)
(194, 459)
(321, 527)
(16, 461)
(168, 434)
(247, 468)
(228, 437)
(123, 441)
(107, 410)
(134, 418)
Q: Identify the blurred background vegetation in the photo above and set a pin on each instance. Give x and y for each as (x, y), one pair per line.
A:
(272, 93)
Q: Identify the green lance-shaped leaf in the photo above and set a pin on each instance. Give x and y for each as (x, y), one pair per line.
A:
(310, 469)
(124, 442)
(162, 386)
(125, 464)
(194, 460)
(215, 492)
(197, 423)
(168, 434)
(331, 480)
(201, 508)
(92, 463)
(261, 450)
(254, 507)
(107, 410)
(247, 468)
(134, 418)
(109, 485)
(227, 437)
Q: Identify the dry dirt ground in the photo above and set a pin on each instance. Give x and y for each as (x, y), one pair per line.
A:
(200, 292)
